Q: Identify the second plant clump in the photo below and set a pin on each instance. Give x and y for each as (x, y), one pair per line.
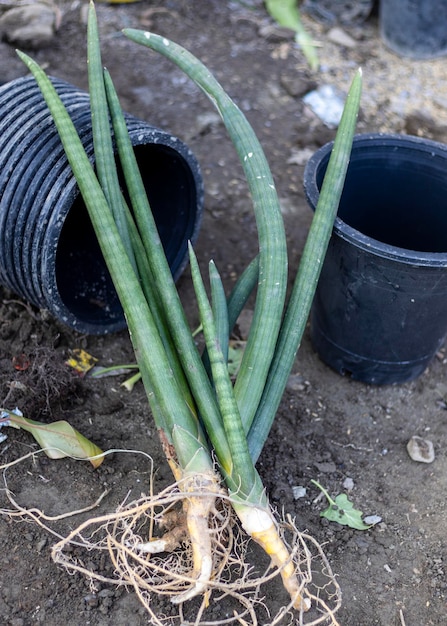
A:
(212, 429)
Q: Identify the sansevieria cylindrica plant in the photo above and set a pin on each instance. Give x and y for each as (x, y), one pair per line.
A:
(212, 428)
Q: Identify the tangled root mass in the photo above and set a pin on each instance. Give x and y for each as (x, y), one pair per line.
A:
(238, 592)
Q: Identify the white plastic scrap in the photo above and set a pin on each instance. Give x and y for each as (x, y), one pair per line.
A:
(3, 414)
(372, 520)
(326, 103)
(6, 422)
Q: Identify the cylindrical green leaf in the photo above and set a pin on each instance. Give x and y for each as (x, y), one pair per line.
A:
(164, 394)
(102, 138)
(306, 280)
(242, 474)
(272, 243)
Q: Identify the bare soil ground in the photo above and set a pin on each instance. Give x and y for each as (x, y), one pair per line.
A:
(328, 428)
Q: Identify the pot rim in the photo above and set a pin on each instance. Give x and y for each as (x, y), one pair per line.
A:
(395, 141)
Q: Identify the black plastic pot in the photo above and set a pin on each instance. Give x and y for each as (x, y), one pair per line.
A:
(48, 251)
(380, 310)
(414, 28)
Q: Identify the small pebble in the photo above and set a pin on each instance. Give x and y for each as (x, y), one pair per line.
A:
(41, 544)
(297, 86)
(276, 34)
(341, 38)
(421, 450)
(296, 383)
(348, 484)
(300, 157)
(29, 24)
(372, 520)
(298, 492)
(205, 122)
(91, 600)
(326, 467)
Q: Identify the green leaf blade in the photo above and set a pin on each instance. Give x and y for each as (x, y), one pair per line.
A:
(164, 394)
(158, 283)
(287, 14)
(58, 439)
(102, 138)
(343, 512)
(220, 309)
(242, 476)
(303, 291)
(272, 242)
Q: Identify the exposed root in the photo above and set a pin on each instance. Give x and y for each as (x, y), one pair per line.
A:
(198, 511)
(175, 530)
(225, 590)
(191, 523)
(265, 532)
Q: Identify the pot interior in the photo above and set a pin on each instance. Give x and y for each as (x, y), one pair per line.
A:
(396, 194)
(83, 282)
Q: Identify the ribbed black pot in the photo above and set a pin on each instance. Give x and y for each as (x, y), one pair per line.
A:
(380, 310)
(414, 28)
(48, 251)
